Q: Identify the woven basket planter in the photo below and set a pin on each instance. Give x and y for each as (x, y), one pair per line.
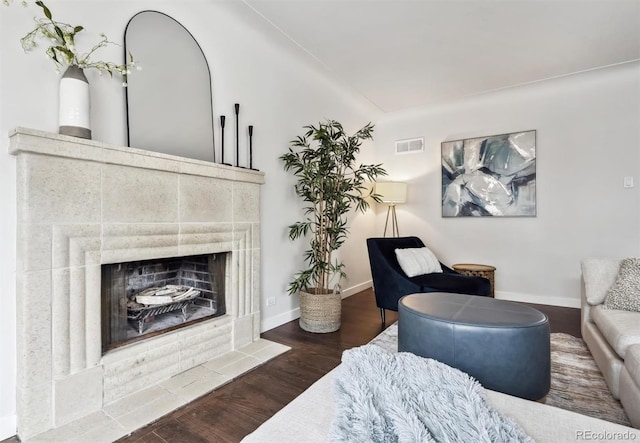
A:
(320, 313)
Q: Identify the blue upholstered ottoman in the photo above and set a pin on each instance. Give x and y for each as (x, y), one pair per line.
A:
(503, 345)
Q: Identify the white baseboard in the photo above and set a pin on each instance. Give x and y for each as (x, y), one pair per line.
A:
(539, 299)
(7, 427)
(278, 320)
(356, 288)
(285, 317)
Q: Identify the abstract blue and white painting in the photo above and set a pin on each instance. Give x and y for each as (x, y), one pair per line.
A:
(490, 176)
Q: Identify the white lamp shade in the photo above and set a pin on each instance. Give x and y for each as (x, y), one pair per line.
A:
(392, 192)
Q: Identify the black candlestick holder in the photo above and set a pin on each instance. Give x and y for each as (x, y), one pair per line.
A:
(251, 148)
(237, 108)
(222, 120)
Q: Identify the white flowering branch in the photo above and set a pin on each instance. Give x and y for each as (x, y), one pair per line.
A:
(63, 50)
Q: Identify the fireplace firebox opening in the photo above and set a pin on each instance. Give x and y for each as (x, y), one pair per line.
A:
(141, 299)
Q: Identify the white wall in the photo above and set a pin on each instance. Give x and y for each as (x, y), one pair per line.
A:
(278, 94)
(588, 139)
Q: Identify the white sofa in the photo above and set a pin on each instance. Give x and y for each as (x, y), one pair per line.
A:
(613, 336)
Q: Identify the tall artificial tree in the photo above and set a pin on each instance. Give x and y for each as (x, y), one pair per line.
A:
(331, 183)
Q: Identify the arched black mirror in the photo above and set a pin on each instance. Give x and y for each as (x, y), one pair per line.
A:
(169, 101)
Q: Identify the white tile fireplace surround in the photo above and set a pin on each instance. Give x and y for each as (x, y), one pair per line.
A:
(81, 204)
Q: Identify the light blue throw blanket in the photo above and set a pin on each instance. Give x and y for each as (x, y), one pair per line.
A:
(399, 397)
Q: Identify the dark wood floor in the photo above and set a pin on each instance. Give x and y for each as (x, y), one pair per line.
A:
(238, 408)
(235, 410)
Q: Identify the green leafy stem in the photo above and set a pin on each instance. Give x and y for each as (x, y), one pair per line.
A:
(62, 49)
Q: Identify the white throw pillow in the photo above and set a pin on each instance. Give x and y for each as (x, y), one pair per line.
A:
(417, 261)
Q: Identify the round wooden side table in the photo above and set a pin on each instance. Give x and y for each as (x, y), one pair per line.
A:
(476, 270)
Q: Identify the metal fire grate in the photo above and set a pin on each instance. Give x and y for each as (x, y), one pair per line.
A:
(141, 312)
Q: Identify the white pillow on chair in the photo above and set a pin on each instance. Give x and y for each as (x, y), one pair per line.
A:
(417, 261)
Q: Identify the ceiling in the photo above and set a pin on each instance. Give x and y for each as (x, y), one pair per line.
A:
(401, 54)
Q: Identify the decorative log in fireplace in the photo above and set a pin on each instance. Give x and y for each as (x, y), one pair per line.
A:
(160, 300)
(155, 296)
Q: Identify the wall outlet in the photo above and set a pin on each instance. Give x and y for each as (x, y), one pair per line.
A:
(271, 301)
(628, 182)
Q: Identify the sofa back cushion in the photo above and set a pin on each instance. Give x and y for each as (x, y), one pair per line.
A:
(599, 275)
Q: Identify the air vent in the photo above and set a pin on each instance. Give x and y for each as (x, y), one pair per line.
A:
(410, 146)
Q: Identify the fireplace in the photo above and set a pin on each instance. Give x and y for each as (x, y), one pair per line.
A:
(151, 297)
(81, 215)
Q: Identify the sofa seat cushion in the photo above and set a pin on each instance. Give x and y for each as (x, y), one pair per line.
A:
(632, 363)
(621, 329)
(452, 282)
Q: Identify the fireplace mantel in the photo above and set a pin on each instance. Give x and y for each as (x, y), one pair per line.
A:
(82, 204)
(24, 140)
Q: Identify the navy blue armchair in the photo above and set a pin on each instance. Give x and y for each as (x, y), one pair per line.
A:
(390, 283)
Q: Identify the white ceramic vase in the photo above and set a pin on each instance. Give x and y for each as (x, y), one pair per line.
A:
(75, 105)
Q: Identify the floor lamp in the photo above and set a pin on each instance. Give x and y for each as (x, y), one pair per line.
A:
(392, 193)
